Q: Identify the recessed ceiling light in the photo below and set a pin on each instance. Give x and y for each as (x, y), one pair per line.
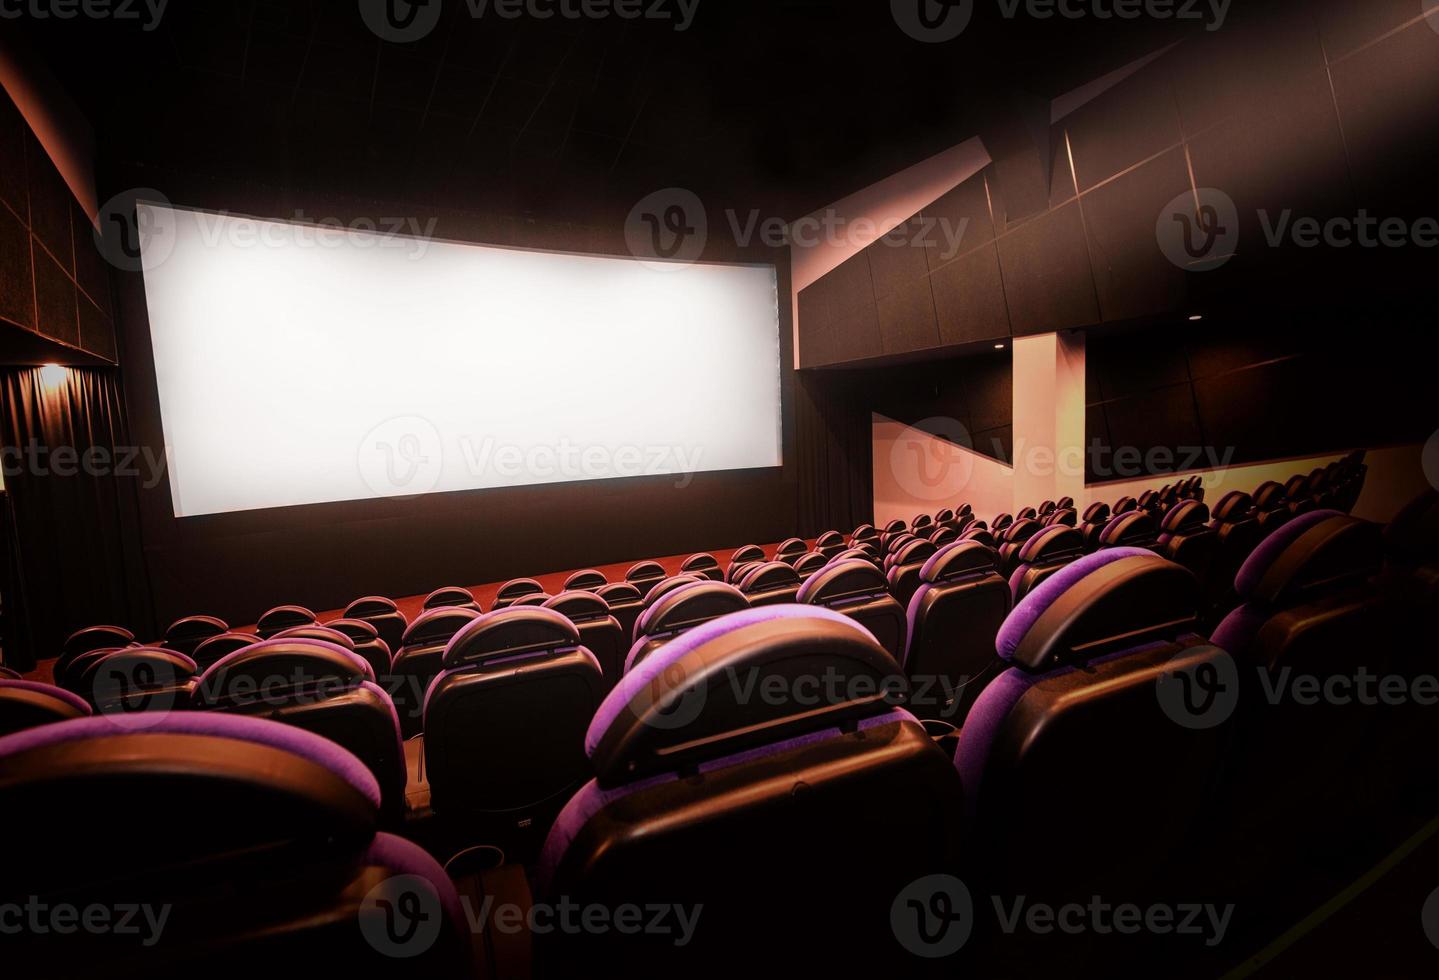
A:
(1196, 317)
(999, 347)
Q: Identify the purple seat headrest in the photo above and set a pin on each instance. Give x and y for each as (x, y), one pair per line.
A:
(283, 617)
(63, 705)
(1026, 514)
(644, 571)
(512, 632)
(579, 607)
(1134, 527)
(860, 554)
(945, 535)
(944, 516)
(1110, 600)
(619, 593)
(841, 580)
(585, 581)
(983, 535)
(371, 605)
(223, 645)
(963, 510)
(1314, 552)
(96, 638)
(921, 520)
(665, 586)
(809, 563)
(1053, 543)
(450, 595)
(1062, 515)
(791, 546)
(518, 588)
(702, 562)
(1186, 517)
(830, 539)
(962, 559)
(533, 599)
(1065, 503)
(1295, 488)
(358, 630)
(194, 629)
(315, 631)
(1236, 505)
(865, 532)
(437, 626)
(678, 708)
(913, 552)
(897, 541)
(1269, 496)
(895, 526)
(1096, 513)
(9, 675)
(278, 668)
(747, 554)
(687, 607)
(1021, 530)
(1124, 505)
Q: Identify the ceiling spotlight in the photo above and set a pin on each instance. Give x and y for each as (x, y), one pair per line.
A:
(52, 376)
(1196, 318)
(999, 347)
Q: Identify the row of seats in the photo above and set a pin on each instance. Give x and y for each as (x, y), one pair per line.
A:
(693, 792)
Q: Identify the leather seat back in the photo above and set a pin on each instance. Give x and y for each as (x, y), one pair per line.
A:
(599, 631)
(679, 611)
(417, 662)
(858, 589)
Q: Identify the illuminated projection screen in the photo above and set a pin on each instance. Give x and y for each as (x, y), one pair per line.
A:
(303, 365)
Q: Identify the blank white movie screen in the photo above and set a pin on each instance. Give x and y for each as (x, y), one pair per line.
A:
(303, 364)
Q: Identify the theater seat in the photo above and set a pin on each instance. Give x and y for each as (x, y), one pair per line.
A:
(702, 564)
(515, 590)
(789, 550)
(1001, 523)
(903, 569)
(585, 581)
(944, 535)
(953, 618)
(28, 704)
(743, 807)
(384, 615)
(1271, 508)
(218, 647)
(319, 687)
(857, 589)
(282, 618)
(1012, 540)
(138, 679)
(505, 719)
(1310, 608)
(82, 644)
(1150, 503)
(644, 575)
(451, 595)
(895, 526)
(830, 543)
(184, 635)
(9, 675)
(599, 631)
(268, 852)
(944, 516)
(1186, 539)
(533, 599)
(1062, 515)
(1064, 503)
(984, 536)
(1049, 550)
(807, 564)
(919, 522)
(1124, 505)
(1096, 516)
(667, 586)
(367, 643)
(417, 663)
(1132, 529)
(680, 611)
(749, 553)
(861, 554)
(1045, 509)
(865, 533)
(626, 602)
(1080, 713)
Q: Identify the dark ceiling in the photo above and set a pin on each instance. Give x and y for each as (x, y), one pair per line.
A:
(785, 105)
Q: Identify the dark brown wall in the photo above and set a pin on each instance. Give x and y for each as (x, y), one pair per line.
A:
(1322, 108)
(53, 280)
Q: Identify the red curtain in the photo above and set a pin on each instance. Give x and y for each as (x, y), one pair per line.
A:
(75, 556)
